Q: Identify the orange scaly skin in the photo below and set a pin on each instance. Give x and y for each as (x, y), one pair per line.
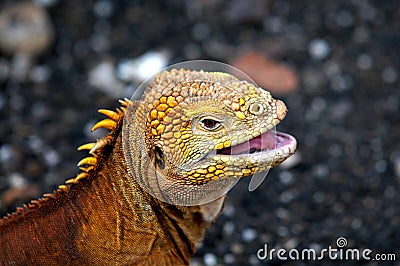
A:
(89, 223)
(104, 217)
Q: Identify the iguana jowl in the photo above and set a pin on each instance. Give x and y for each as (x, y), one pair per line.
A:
(190, 127)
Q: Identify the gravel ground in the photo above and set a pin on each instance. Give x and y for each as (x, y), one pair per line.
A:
(345, 178)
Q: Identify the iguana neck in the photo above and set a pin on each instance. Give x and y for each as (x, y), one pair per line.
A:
(104, 217)
(184, 226)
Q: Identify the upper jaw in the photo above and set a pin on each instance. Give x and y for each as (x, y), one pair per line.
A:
(271, 147)
(268, 141)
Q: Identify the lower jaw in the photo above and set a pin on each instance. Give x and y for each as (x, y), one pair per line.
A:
(266, 142)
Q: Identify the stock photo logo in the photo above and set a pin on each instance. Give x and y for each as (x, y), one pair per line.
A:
(340, 252)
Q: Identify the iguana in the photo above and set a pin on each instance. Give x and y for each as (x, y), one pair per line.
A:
(192, 128)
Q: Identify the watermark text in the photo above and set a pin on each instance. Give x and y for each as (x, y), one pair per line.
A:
(340, 252)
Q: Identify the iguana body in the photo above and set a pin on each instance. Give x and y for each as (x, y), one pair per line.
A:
(104, 217)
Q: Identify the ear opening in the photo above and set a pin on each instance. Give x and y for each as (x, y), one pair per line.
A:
(159, 160)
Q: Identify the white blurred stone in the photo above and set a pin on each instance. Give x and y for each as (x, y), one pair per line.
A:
(40, 74)
(286, 177)
(195, 262)
(229, 258)
(380, 166)
(364, 61)
(35, 143)
(389, 75)
(100, 42)
(249, 234)
(25, 28)
(229, 210)
(282, 231)
(356, 223)
(143, 67)
(103, 8)
(102, 77)
(287, 196)
(237, 248)
(319, 197)
(344, 18)
(274, 24)
(291, 243)
(200, 31)
(51, 157)
(210, 259)
(16, 180)
(319, 49)
(6, 153)
(228, 228)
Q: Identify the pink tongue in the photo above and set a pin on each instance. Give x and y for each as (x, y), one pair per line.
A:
(265, 141)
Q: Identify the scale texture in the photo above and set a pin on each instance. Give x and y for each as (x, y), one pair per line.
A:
(189, 126)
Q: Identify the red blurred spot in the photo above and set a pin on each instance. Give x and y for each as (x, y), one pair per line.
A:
(275, 77)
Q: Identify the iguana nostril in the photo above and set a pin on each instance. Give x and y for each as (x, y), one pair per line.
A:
(280, 109)
(256, 108)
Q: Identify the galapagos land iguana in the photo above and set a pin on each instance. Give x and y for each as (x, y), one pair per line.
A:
(192, 129)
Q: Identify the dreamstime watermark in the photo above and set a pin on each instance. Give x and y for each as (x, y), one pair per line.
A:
(340, 252)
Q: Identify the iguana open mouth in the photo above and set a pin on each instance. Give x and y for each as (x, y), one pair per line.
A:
(270, 140)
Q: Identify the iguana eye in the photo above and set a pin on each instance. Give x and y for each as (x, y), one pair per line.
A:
(210, 124)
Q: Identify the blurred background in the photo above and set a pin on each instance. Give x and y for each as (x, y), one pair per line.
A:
(334, 63)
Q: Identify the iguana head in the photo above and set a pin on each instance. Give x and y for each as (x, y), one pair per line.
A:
(202, 131)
